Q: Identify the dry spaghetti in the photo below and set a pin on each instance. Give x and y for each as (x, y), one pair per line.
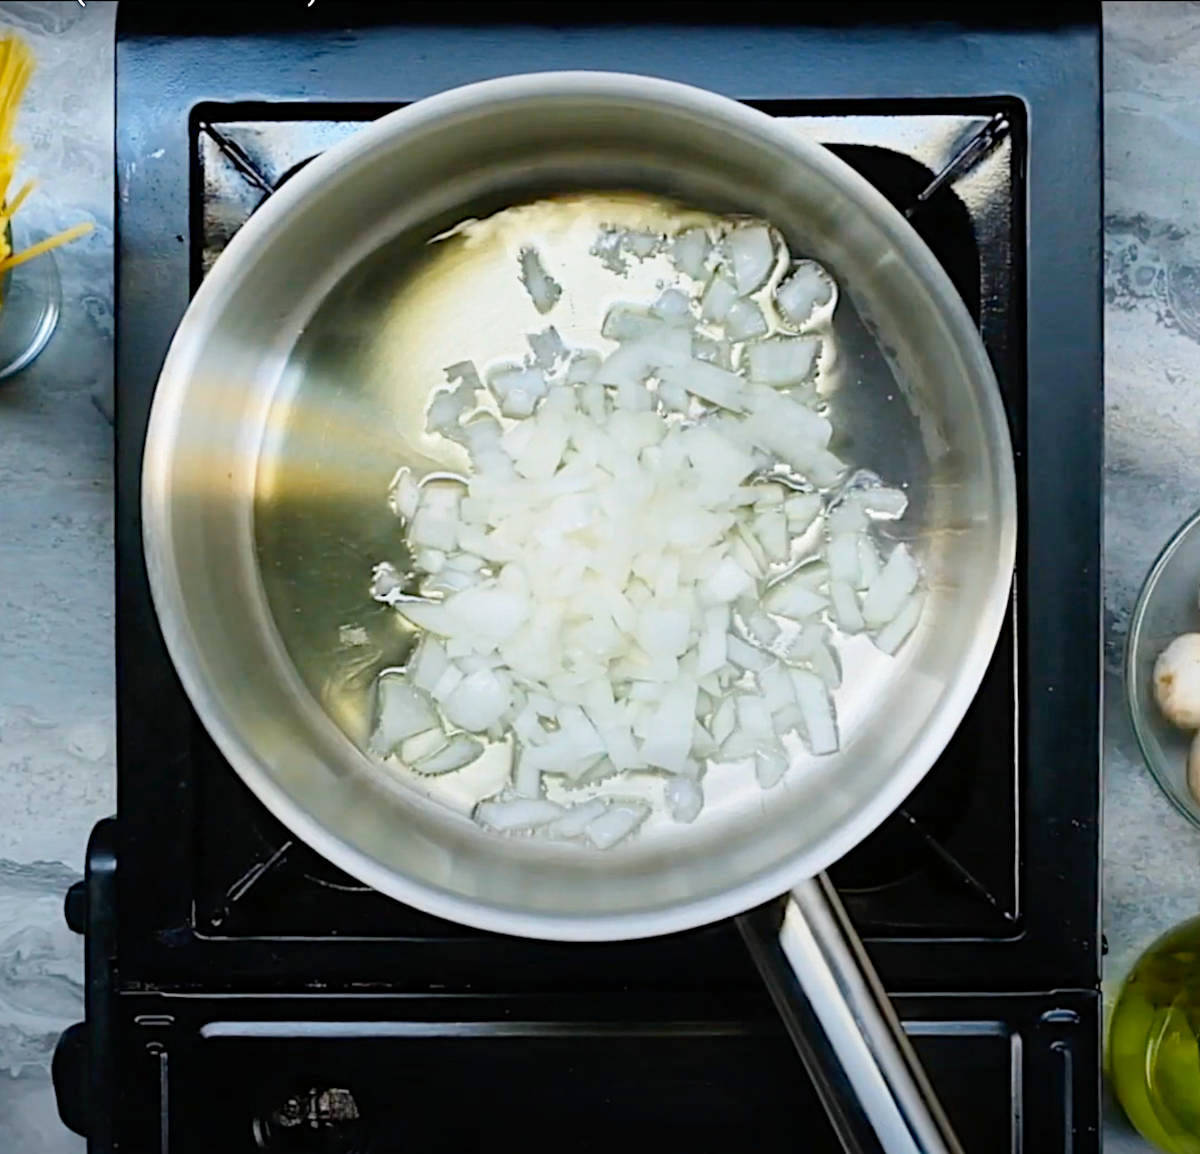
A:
(16, 67)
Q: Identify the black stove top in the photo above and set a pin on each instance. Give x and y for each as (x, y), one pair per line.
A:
(244, 994)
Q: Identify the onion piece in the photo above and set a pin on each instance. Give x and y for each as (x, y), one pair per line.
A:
(542, 288)
(517, 814)
(547, 348)
(751, 255)
(477, 702)
(888, 592)
(428, 663)
(801, 509)
(459, 751)
(880, 501)
(576, 819)
(435, 522)
(793, 598)
(718, 299)
(617, 823)
(869, 565)
(744, 320)
(775, 684)
(684, 798)
(770, 527)
(670, 738)
(770, 764)
(447, 683)
(690, 252)
(708, 382)
(711, 351)
(674, 308)
(747, 656)
(890, 637)
(517, 389)
(404, 494)
(808, 289)
(724, 719)
(782, 360)
(761, 628)
(386, 583)
(421, 745)
(846, 611)
(817, 711)
(401, 710)
(842, 555)
(825, 665)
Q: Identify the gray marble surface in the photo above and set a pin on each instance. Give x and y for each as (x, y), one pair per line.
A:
(56, 614)
(1152, 385)
(56, 663)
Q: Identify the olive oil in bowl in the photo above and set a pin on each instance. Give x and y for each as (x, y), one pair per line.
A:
(1154, 1042)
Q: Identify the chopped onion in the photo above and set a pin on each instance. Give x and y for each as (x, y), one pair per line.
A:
(641, 571)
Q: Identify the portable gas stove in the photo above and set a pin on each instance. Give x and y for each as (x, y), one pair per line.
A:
(244, 994)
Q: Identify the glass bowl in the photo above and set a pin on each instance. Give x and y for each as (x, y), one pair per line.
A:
(1166, 607)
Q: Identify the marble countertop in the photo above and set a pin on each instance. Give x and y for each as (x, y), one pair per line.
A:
(56, 612)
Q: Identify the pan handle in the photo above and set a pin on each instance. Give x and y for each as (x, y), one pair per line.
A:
(839, 1017)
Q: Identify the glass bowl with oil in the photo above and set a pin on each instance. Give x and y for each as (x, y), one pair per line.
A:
(1154, 1042)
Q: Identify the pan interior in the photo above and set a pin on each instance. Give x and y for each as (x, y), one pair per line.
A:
(304, 390)
(362, 374)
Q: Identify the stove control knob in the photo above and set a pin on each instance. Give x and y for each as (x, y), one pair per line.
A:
(69, 1070)
(314, 1120)
(75, 907)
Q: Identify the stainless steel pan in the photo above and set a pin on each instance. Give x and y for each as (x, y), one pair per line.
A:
(293, 390)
